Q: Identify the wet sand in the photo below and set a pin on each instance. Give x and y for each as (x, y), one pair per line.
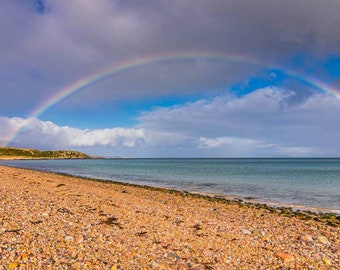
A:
(50, 221)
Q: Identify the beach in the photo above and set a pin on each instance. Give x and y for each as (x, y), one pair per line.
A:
(52, 221)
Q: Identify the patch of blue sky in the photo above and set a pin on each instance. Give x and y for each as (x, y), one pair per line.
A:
(89, 119)
(118, 114)
(271, 78)
(333, 66)
(303, 63)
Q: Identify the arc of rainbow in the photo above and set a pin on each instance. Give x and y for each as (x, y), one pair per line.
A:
(140, 62)
(132, 64)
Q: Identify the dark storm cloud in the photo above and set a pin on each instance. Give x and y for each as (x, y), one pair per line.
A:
(270, 28)
(76, 38)
(113, 29)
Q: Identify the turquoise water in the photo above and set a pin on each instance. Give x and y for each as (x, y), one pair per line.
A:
(300, 183)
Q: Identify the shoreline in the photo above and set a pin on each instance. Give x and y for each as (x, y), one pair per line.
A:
(43, 158)
(57, 221)
(319, 214)
(291, 209)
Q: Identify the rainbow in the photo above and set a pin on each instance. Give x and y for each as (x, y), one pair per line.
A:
(133, 64)
(155, 59)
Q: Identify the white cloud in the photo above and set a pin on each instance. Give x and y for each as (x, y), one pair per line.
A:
(244, 147)
(114, 137)
(262, 120)
(221, 142)
(45, 134)
(255, 125)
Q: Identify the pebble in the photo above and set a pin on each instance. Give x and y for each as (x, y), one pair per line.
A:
(246, 232)
(336, 249)
(327, 261)
(208, 253)
(306, 238)
(259, 233)
(266, 239)
(68, 238)
(12, 265)
(171, 256)
(285, 257)
(323, 240)
(154, 264)
(80, 239)
(165, 245)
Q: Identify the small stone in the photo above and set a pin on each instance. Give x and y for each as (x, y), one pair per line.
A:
(207, 253)
(80, 239)
(327, 261)
(316, 257)
(182, 265)
(285, 257)
(12, 265)
(336, 249)
(165, 245)
(266, 239)
(68, 238)
(24, 256)
(172, 256)
(45, 214)
(323, 240)
(195, 267)
(306, 238)
(245, 231)
(154, 264)
(259, 233)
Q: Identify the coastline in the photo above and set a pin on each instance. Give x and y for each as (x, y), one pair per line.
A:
(260, 181)
(311, 212)
(59, 220)
(331, 217)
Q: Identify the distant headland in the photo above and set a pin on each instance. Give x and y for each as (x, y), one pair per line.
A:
(25, 153)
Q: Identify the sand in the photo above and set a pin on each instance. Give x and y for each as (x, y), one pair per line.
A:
(50, 221)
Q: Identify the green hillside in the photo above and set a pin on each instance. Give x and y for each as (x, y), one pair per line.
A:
(23, 153)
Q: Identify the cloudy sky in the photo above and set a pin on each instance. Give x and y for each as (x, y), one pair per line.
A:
(172, 78)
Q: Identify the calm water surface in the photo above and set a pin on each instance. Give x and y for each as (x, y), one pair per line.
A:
(300, 183)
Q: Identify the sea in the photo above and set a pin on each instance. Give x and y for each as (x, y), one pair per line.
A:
(301, 183)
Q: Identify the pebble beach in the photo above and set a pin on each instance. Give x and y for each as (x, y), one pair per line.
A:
(51, 221)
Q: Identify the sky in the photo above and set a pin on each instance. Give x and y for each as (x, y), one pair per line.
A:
(172, 78)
